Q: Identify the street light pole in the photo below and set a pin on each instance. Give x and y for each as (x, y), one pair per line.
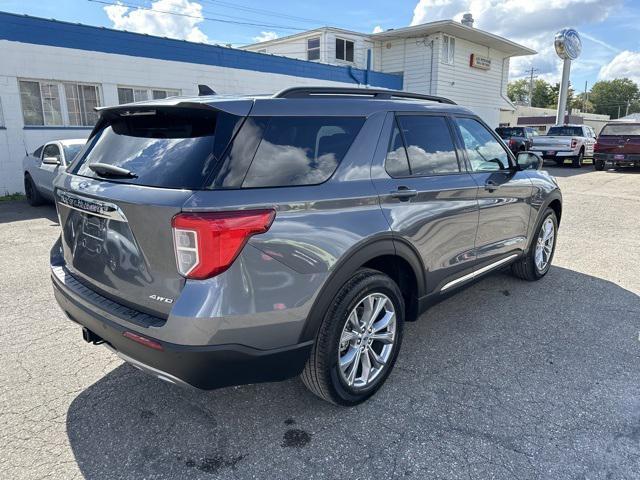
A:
(568, 47)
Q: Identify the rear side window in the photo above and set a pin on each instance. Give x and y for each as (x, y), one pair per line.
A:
(169, 148)
(301, 150)
(38, 151)
(428, 144)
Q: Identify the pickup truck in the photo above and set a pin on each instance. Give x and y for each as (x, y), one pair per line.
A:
(566, 142)
(618, 145)
(519, 139)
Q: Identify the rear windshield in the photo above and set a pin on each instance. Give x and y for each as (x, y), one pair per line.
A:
(621, 129)
(510, 132)
(169, 148)
(565, 131)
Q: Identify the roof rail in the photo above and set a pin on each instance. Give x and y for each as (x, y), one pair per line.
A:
(374, 93)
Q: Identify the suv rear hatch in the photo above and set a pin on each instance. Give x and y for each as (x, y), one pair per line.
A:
(119, 196)
(620, 140)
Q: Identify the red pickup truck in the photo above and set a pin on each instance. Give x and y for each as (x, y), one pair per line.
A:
(618, 145)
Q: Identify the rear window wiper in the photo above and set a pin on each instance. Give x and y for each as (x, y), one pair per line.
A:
(106, 170)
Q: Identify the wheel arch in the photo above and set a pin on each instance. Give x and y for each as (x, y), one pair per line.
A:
(390, 256)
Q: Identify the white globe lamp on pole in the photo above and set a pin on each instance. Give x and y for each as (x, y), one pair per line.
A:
(568, 47)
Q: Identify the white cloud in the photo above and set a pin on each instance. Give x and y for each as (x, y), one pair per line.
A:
(377, 29)
(265, 37)
(158, 20)
(532, 23)
(625, 64)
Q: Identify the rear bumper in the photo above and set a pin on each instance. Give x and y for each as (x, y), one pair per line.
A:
(610, 159)
(557, 153)
(205, 367)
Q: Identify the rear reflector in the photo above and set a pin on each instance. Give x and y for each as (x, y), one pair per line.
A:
(207, 243)
(147, 342)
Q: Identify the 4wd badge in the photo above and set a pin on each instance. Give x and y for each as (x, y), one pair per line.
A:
(158, 298)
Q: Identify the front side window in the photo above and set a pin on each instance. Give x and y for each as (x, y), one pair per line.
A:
(429, 146)
(313, 48)
(47, 103)
(38, 151)
(485, 153)
(448, 49)
(52, 150)
(301, 150)
(344, 50)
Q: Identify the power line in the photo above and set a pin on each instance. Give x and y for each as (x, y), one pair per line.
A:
(210, 19)
(262, 11)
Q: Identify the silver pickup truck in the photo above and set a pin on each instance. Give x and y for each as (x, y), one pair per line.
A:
(566, 142)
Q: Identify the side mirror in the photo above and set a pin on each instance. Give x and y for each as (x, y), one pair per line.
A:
(529, 161)
(51, 161)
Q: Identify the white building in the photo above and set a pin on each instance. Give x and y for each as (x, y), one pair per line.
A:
(53, 74)
(444, 58)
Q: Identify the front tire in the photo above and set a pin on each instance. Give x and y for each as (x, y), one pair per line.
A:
(537, 262)
(358, 341)
(31, 192)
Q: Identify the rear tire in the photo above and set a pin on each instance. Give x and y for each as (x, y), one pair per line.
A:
(31, 191)
(345, 334)
(598, 165)
(542, 248)
(577, 161)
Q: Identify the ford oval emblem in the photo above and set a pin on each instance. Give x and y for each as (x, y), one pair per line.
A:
(568, 44)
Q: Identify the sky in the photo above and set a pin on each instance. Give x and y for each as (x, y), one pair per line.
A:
(609, 28)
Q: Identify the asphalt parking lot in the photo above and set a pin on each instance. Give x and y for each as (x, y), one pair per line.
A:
(507, 379)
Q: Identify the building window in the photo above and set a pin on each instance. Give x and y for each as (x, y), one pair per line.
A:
(344, 50)
(81, 103)
(448, 49)
(137, 94)
(313, 48)
(53, 103)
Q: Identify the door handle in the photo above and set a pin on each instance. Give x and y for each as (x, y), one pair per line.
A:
(490, 185)
(403, 193)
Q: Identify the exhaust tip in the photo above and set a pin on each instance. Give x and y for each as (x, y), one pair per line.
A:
(90, 337)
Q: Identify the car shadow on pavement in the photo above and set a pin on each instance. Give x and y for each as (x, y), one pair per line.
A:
(506, 379)
(15, 211)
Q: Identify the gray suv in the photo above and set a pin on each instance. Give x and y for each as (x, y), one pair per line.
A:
(216, 241)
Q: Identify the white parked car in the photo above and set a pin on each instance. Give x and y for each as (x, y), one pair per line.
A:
(41, 167)
(566, 142)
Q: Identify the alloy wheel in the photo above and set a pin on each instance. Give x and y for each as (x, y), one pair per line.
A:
(544, 245)
(367, 341)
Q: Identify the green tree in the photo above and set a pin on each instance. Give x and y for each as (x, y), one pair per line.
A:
(518, 90)
(612, 96)
(555, 93)
(542, 94)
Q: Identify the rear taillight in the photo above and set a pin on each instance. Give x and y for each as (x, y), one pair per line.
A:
(207, 243)
(596, 147)
(574, 143)
(512, 142)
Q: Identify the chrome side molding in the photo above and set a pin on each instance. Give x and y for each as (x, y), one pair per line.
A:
(477, 273)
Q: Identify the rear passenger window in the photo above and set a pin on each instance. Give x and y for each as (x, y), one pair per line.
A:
(397, 163)
(429, 146)
(301, 150)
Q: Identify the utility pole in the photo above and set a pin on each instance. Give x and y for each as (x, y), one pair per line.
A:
(531, 77)
(584, 98)
(627, 112)
(618, 112)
